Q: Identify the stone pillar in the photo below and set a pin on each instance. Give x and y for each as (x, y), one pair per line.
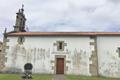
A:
(93, 67)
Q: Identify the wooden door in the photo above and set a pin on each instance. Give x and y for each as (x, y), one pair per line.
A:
(60, 66)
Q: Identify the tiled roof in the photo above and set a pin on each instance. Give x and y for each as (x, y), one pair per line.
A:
(63, 33)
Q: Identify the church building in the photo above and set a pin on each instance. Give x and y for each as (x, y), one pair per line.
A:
(76, 53)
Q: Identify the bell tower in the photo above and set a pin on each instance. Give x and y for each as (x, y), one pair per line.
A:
(20, 21)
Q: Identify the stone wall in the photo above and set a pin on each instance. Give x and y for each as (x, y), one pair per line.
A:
(109, 60)
(42, 55)
(85, 55)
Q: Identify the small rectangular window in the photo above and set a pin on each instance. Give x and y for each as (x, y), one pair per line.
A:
(60, 46)
(119, 52)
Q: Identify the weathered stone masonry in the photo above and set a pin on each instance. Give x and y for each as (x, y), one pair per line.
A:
(3, 59)
(94, 58)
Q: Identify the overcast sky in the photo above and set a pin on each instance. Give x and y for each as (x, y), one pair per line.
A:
(62, 15)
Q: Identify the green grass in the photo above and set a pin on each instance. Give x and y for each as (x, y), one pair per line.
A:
(73, 77)
(9, 77)
(42, 77)
(50, 77)
(18, 77)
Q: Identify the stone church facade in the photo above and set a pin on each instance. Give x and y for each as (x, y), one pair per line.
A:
(78, 53)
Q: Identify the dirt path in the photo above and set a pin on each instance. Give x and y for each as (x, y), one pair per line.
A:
(59, 77)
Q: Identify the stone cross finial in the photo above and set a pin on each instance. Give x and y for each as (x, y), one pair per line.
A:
(22, 6)
(22, 9)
